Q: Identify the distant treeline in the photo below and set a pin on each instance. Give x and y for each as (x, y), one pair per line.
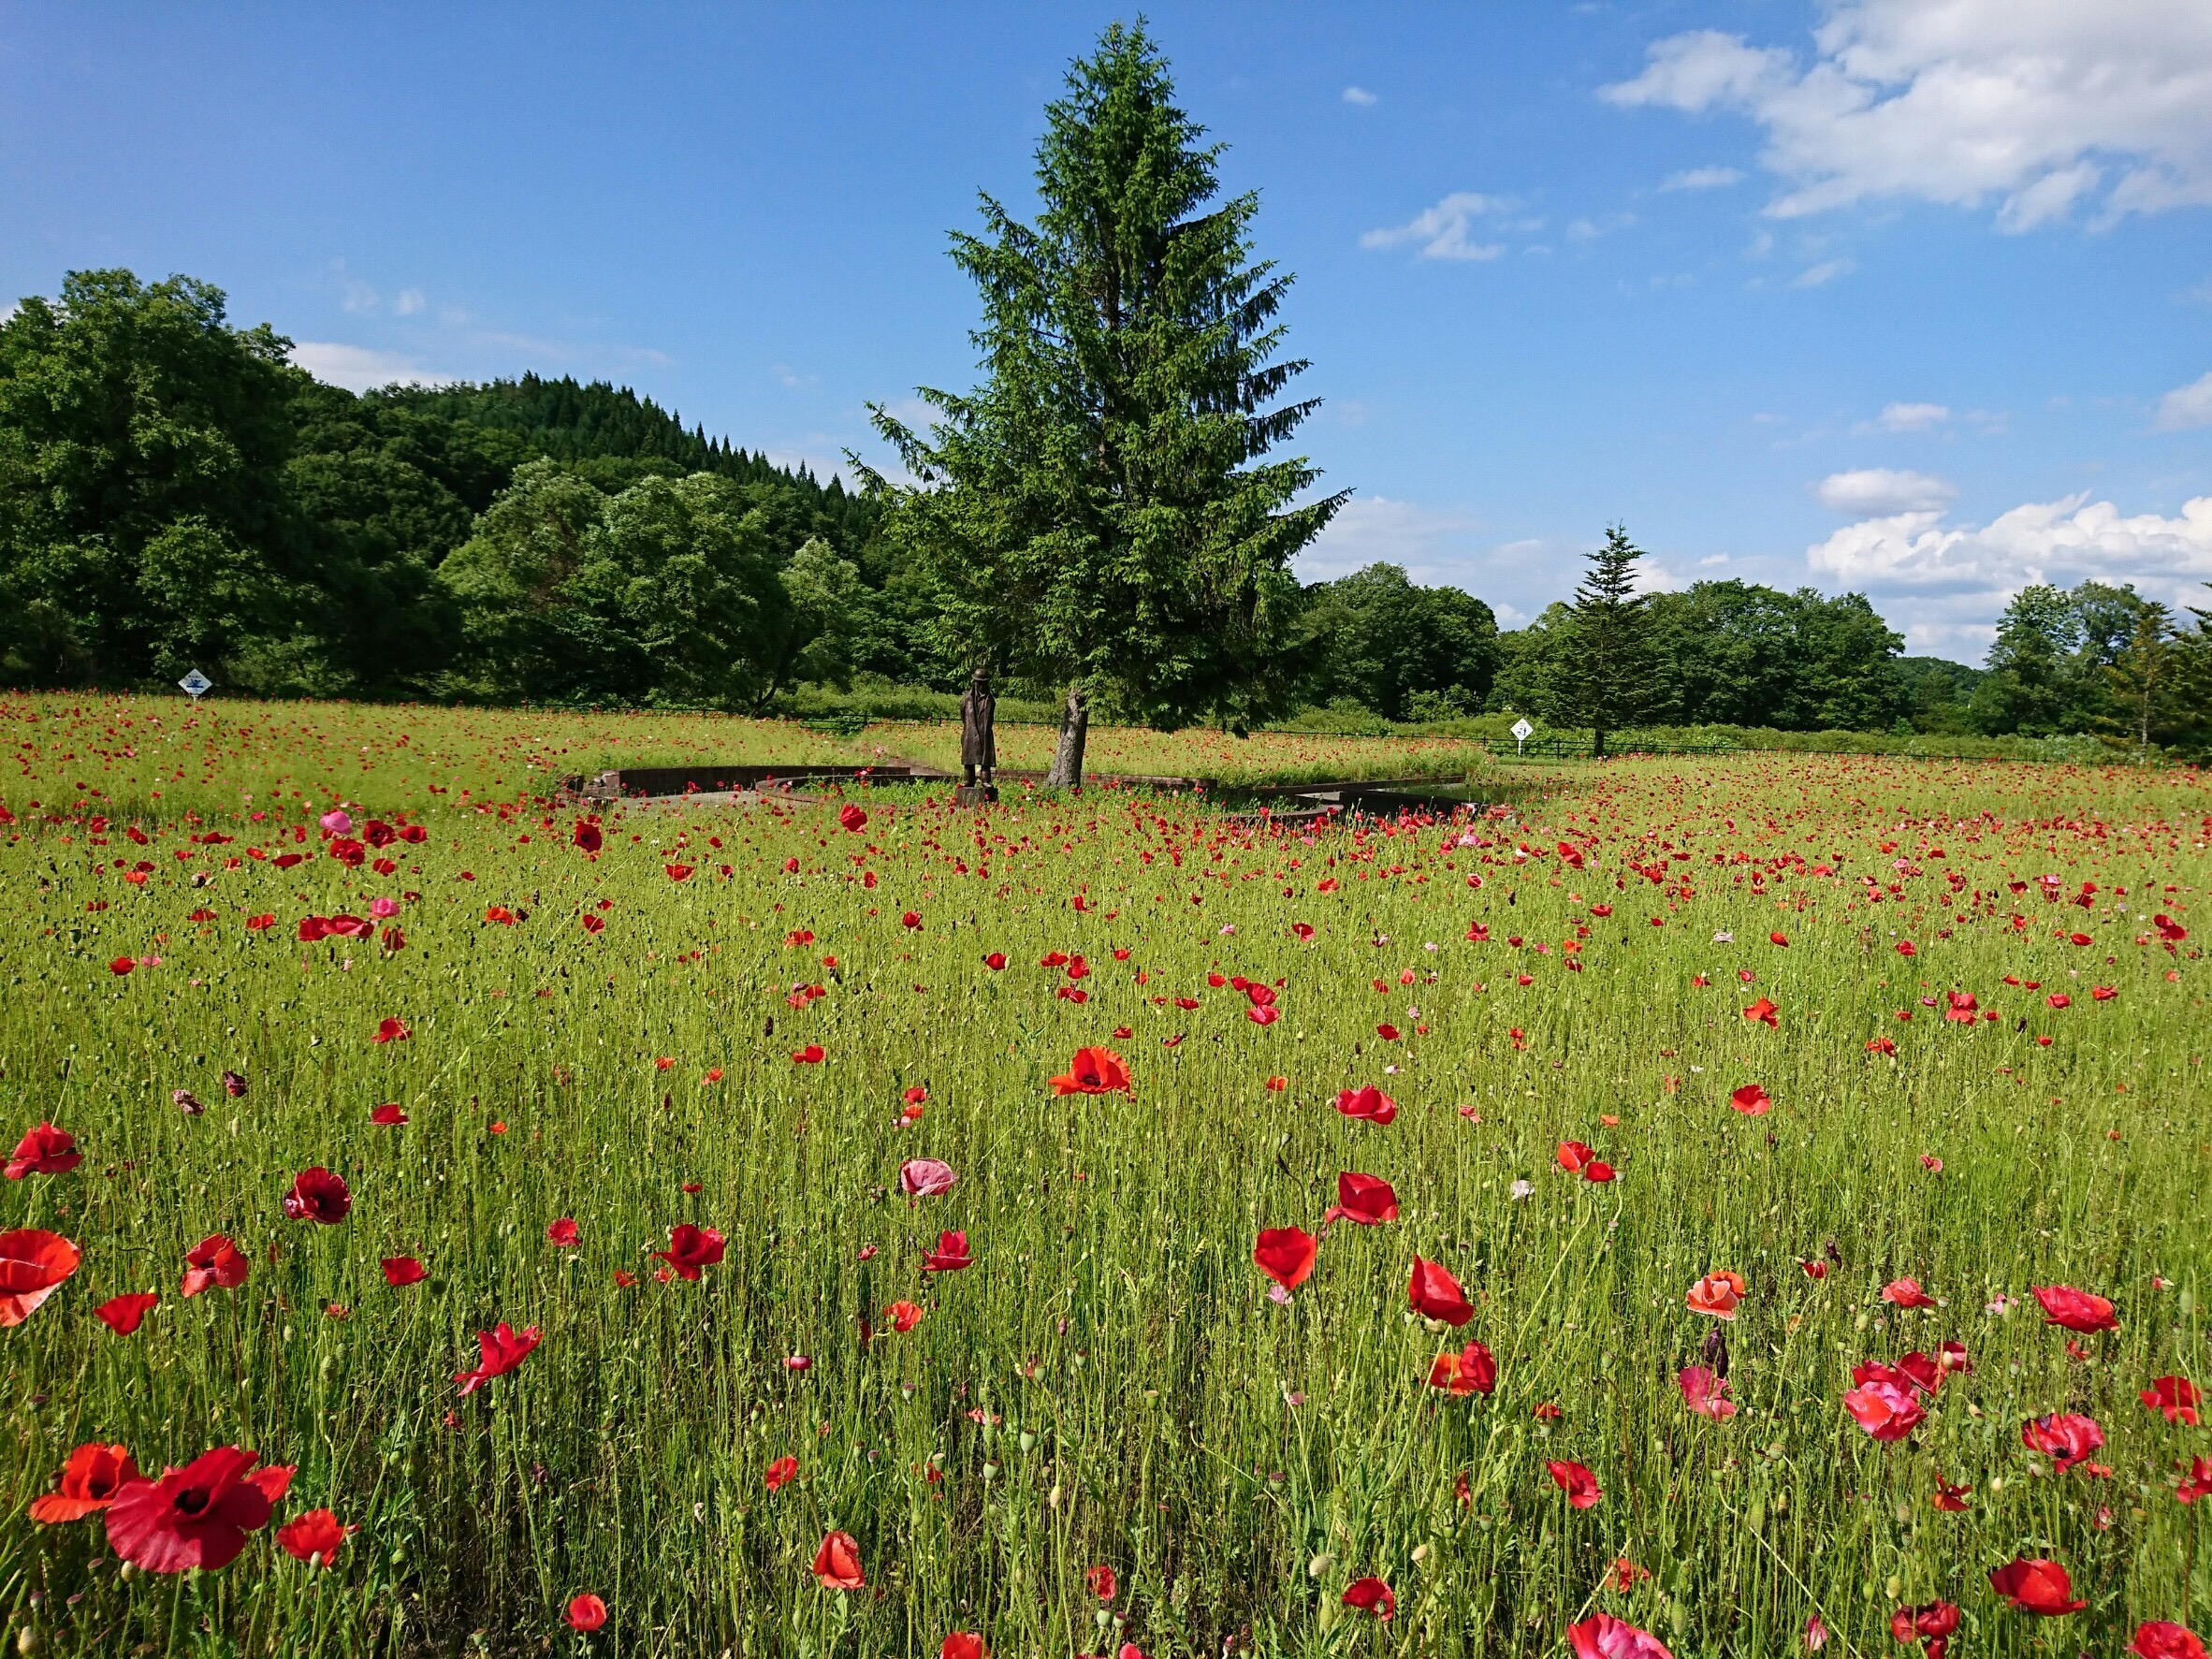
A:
(175, 494)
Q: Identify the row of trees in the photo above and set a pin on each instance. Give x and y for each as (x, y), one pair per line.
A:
(2097, 658)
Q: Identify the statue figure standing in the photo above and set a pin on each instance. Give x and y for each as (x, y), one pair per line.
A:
(979, 745)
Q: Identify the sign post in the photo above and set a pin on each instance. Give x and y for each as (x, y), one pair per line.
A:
(1522, 731)
(196, 685)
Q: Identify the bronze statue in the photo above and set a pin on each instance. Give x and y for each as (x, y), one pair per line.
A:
(979, 745)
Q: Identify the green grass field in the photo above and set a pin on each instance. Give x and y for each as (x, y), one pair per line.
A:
(1110, 1383)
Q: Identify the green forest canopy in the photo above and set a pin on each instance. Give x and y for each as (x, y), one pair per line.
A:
(174, 493)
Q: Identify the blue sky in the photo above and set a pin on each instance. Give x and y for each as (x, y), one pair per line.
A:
(1912, 296)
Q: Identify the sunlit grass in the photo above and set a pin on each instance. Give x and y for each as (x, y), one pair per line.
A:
(1108, 1383)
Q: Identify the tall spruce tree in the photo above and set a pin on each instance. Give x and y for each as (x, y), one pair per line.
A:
(1099, 514)
(1608, 663)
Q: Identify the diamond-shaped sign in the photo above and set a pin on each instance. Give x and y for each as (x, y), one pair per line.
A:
(197, 684)
(1522, 731)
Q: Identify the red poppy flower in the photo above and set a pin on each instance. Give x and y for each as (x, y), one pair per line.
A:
(1101, 1582)
(32, 1264)
(912, 918)
(315, 1537)
(2176, 1397)
(1435, 1294)
(586, 836)
(1368, 1102)
(780, 1474)
(1907, 1293)
(962, 1644)
(199, 1516)
(2066, 1437)
(926, 1177)
(1471, 1371)
(1387, 1032)
(586, 1613)
(1264, 1015)
(2199, 1484)
(1286, 1255)
(2102, 993)
(122, 965)
(88, 1483)
(1573, 1156)
(852, 818)
(1603, 1637)
(1363, 1199)
(2036, 1585)
(1929, 1622)
(2075, 1310)
(392, 1031)
(950, 1256)
(1578, 1483)
(44, 1151)
(1371, 1596)
(2162, 1638)
(1953, 1500)
(677, 873)
(1705, 1393)
(836, 1564)
(1094, 1071)
(812, 1055)
(1887, 1410)
(122, 1313)
(904, 1316)
(562, 1232)
(1751, 1101)
(399, 1270)
(1279, 1084)
(388, 1115)
(317, 1195)
(1905, 947)
(502, 1350)
(1717, 1294)
(215, 1263)
(692, 1248)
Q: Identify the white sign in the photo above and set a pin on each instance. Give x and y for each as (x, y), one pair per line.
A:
(1522, 731)
(197, 684)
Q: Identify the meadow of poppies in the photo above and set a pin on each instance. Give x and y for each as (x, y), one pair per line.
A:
(1745, 1206)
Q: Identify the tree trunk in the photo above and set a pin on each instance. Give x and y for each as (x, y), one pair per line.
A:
(1598, 743)
(1075, 724)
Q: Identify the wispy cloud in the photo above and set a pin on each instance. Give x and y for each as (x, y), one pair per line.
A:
(1884, 491)
(1359, 95)
(2186, 406)
(357, 368)
(1905, 417)
(1700, 179)
(1445, 231)
(1827, 271)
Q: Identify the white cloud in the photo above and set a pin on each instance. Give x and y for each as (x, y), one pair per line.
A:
(1373, 528)
(2186, 406)
(1359, 95)
(357, 295)
(2040, 105)
(2063, 540)
(357, 368)
(1884, 491)
(1443, 230)
(1827, 271)
(1907, 417)
(1700, 179)
(407, 301)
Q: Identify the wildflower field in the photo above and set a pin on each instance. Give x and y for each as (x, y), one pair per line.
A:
(1746, 1207)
